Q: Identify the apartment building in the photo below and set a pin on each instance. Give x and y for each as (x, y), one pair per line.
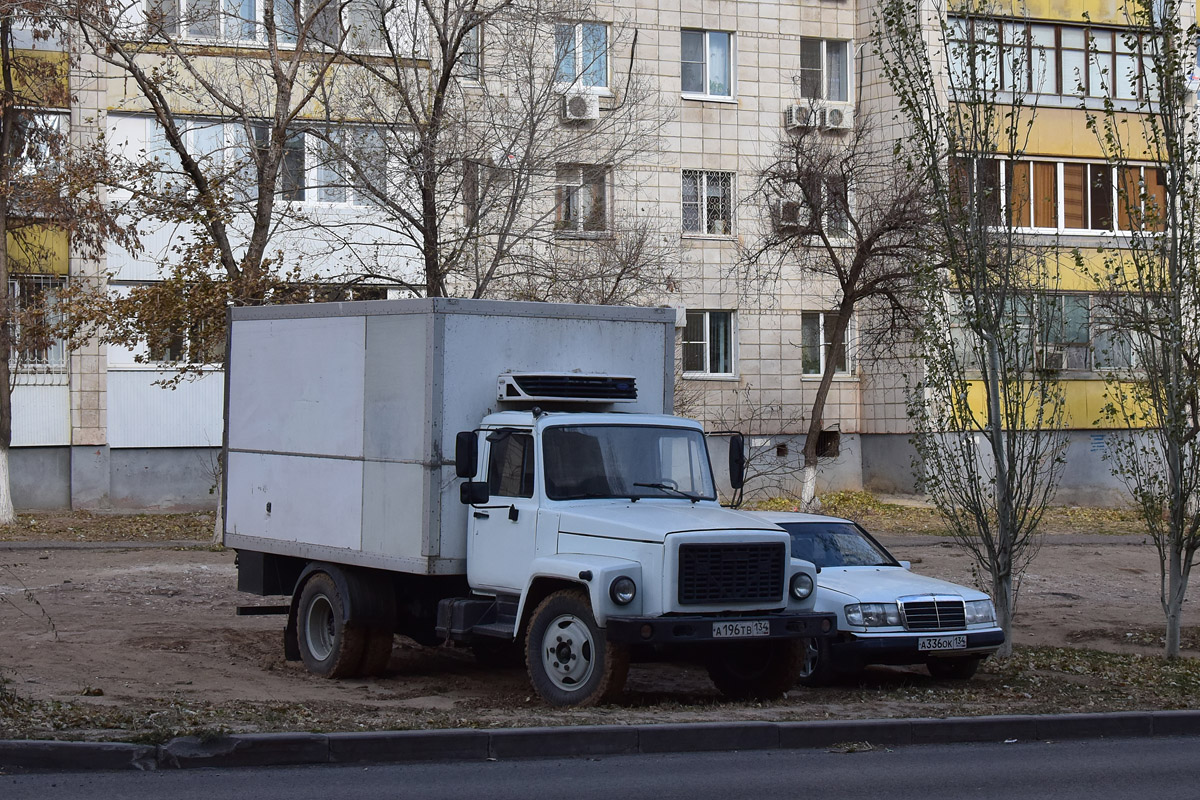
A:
(731, 80)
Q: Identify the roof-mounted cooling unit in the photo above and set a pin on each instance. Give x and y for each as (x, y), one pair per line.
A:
(567, 387)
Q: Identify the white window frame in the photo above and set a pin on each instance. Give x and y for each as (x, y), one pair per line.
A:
(326, 173)
(704, 176)
(55, 359)
(707, 318)
(583, 60)
(823, 93)
(824, 322)
(567, 191)
(731, 66)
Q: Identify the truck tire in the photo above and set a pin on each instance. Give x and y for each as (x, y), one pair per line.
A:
(756, 670)
(328, 646)
(816, 663)
(569, 659)
(377, 653)
(953, 669)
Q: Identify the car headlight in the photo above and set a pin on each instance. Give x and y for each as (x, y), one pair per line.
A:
(980, 612)
(622, 590)
(802, 585)
(873, 615)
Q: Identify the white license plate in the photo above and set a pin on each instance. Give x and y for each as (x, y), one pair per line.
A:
(741, 630)
(932, 643)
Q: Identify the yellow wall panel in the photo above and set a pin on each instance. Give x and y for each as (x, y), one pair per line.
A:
(1107, 12)
(40, 250)
(1083, 403)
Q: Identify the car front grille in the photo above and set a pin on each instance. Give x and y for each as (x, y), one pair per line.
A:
(731, 573)
(933, 613)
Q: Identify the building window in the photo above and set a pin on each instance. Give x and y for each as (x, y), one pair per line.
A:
(708, 343)
(1042, 58)
(707, 202)
(816, 348)
(581, 197)
(350, 168)
(35, 347)
(824, 69)
(706, 63)
(824, 208)
(581, 53)
(470, 59)
(1063, 196)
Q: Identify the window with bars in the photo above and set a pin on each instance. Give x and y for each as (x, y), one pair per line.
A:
(824, 69)
(706, 63)
(1044, 58)
(35, 347)
(1063, 196)
(581, 54)
(707, 202)
(582, 198)
(708, 343)
(816, 345)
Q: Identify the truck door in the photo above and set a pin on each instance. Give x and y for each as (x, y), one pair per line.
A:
(502, 536)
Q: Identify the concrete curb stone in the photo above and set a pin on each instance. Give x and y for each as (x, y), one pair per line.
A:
(279, 749)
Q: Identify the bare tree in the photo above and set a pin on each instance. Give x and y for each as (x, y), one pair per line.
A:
(1151, 295)
(223, 156)
(503, 146)
(987, 413)
(842, 211)
(48, 198)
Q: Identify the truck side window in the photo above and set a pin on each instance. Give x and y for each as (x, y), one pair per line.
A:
(510, 464)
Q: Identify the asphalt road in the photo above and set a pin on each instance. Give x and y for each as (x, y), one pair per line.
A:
(1078, 770)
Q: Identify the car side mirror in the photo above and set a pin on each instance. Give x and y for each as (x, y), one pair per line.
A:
(466, 454)
(474, 493)
(737, 461)
(906, 564)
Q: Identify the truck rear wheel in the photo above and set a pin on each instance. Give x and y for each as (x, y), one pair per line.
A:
(756, 670)
(570, 661)
(328, 646)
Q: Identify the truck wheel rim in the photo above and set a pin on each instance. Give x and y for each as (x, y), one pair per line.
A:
(568, 653)
(811, 654)
(319, 628)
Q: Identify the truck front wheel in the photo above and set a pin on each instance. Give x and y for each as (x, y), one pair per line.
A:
(570, 661)
(328, 646)
(756, 670)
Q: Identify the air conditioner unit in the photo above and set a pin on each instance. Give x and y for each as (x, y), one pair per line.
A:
(787, 214)
(1052, 359)
(803, 115)
(839, 117)
(581, 107)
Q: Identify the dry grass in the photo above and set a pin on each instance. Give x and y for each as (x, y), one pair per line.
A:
(83, 526)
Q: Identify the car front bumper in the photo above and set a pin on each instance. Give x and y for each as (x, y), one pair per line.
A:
(901, 648)
(700, 628)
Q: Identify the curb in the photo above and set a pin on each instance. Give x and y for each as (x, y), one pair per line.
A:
(471, 744)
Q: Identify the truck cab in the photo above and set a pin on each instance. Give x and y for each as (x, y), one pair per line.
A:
(608, 525)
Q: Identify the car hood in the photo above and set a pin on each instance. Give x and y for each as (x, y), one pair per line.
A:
(654, 520)
(885, 584)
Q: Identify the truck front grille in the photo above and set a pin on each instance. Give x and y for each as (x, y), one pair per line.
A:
(731, 573)
(933, 614)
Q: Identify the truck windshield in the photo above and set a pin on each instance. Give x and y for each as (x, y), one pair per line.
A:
(632, 461)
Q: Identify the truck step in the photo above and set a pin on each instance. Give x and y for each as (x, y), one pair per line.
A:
(499, 630)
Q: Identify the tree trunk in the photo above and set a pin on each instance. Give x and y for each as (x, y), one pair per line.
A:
(1003, 600)
(1173, 602)
(808, 487)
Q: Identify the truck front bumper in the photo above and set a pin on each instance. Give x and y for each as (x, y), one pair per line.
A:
(711, 628)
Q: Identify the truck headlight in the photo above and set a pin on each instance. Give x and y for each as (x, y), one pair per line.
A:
(622, 590)
(980, 612)
(802, 585)
(873, 615)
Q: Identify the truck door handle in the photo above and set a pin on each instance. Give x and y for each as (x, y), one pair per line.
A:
(481, 515)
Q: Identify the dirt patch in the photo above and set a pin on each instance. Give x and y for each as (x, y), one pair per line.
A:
(144, 643)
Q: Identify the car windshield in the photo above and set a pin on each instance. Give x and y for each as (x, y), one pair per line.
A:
(631, 461)
(836, 544)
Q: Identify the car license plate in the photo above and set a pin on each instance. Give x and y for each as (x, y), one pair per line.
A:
(932, 643)
(741, 630)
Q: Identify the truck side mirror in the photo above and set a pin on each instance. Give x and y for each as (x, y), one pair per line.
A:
(466, 454)
(737, 461)
(474, 493)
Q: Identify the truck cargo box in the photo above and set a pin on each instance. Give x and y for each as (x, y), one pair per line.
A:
(340, 418)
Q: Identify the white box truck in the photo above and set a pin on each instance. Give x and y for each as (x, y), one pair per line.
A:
(503, 475)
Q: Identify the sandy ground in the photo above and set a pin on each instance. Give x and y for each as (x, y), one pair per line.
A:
(155, 627)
